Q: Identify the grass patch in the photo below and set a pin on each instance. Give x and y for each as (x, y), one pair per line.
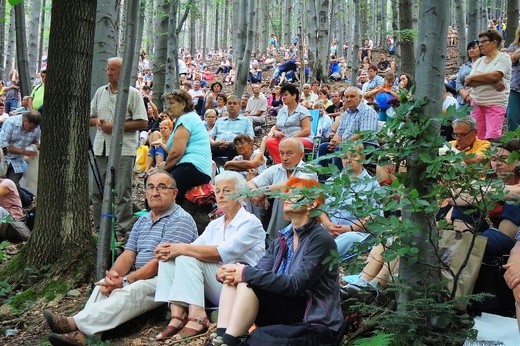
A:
(23, 300)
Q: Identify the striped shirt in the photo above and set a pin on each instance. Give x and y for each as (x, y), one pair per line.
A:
(13, 134)
(363, 118)
(174, 226)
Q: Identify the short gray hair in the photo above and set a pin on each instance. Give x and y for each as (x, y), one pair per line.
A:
(296, 141)
(240, 181)
(353, 88)
(162, 171)
(468, 120)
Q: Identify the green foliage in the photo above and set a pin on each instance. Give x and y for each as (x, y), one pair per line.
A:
(379, 339)
(55, 288)
(14, 2)
(23, 300)
(5, 289)
(3, 247)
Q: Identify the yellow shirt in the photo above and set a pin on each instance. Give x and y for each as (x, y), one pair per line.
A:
(478, 147)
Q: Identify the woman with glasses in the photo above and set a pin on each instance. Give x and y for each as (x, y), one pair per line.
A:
(489, 82)
(250, 161)
(473, 50)
(189, 156)
(292, 283)
(187, 273)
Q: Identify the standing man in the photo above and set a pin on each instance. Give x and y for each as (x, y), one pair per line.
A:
(36, 97)
(102, 109)
(19, 137)
(256, 108)
(128, 289)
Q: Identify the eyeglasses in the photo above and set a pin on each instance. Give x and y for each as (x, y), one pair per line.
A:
(160, 188)
(460, 135)
(481, 42)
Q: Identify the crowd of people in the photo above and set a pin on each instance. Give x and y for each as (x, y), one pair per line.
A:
(262, 261)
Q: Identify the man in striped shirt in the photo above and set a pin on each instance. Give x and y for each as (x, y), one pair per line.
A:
(128, 289)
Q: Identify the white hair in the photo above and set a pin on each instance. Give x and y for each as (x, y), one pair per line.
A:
(240, 181)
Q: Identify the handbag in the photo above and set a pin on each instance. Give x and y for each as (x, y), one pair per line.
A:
(453, 249)
(201, 195)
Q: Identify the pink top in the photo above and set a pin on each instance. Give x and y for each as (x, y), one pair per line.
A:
(11, 202)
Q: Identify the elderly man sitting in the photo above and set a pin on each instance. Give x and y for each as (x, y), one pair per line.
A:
(126, 292)
(465, 135)
(187, 272)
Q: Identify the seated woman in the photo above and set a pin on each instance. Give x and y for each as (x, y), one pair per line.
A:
(249, 162)
(274, 102)
(221, 107)
(291, 283)
(342, 218)
(11, 207)
(189, 156)
(210, 118)
(505, 217)
(293, 120)
(186, 275)
(158, 150)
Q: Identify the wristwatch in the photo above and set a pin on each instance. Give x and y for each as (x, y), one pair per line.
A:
(125, 282)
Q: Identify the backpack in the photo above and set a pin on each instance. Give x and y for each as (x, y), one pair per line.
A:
(26, 196)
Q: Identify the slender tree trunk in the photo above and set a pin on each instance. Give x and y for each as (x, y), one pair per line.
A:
(139, 40)
(460, 9)
(225, 30)
(363, 17)
(62, 236)
(41, 39)
(164, 11)
(105, 42)
(243, 64)
(150, 7)
(383, 31)
(32, 42)
(512, 21)
(473, 26)
(421, 273)
(355, 41)
(263, 26)
(217, 13)
(204, 31)
(240, 48)
(193, 17)
(2, 39)
(21, 50)
(286, 22)
(9, 55)
(175, 27)
(407, 44)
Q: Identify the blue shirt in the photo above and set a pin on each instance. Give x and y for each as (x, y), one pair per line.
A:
(290, 124)
(13, 134)
(363, 118)
(175, 225)
(198, 150)
(227, 129)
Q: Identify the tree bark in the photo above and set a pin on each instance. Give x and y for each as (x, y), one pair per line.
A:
(161, 50)
(246, 34)
(224, 42)
(62, 235)
(431, 62)
(193, 17)
(204, 30)
(286, 22)
(21, 50)
(217, 13)
(10, 43)
(407, 42)
(41, 39)
(473, 26)
(512, 21)
(355, 42)
(32, 39)
(460, 9)
(2, 40)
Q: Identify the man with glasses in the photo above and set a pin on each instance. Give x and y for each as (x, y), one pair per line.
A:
(465, 135)
(128, 289)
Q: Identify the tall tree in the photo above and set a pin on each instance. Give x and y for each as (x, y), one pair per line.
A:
(192, 41)
(217, 13)
(512, 21)
(204, 31)
(21, 50)
(423, 271)
(62, 235)
(32, 38)
(2, 39)
(406, 36)
(354, 43)
(460, 10)
(161, 50)
(473, 25)
(9, 54)
(42, 34)
(224, 42)
(318, 39)
(247, 13)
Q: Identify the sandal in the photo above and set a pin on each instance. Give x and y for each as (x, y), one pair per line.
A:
(171, 330)
(190, 333)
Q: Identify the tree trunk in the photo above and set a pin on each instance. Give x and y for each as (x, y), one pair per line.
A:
(204, 30)
(407, 41)
(21, 50)
(363, 17)
(105, 42)
(460, 9)
(241, 51)
(224, 42)
(217, 13)
(395, 33)
(2, 39)
(193, 17)
(139, 40)
(383, 31)
(473, 26)
(161, 50)
(32, 42)
(41, 39)
(355, 42)
(62, 235)
(512, 21)
(149, 41)
(422, 273)
(286, 22)
(10, 43)
(129, 61)
(263, 32)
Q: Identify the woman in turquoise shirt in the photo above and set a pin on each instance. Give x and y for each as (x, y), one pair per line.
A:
(189, 159)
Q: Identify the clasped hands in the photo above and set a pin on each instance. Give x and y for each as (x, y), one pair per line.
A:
(166, 251)
(111, 281)
(104, 126)
(230, 274)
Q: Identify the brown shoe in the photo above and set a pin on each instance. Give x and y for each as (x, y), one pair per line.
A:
(74, 339)
(58, 323)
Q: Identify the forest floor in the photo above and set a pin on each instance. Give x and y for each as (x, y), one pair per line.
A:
(29, 328)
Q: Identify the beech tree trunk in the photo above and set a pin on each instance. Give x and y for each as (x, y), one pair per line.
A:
(473, 18)
(21, 50)
(32, 39)
(460, 9)
(407, 42)
(512, 21)
(246, 34)
(62, 235)
(9, 55)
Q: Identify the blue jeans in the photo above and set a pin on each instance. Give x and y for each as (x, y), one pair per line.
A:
(10, 105)
(323, 150)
